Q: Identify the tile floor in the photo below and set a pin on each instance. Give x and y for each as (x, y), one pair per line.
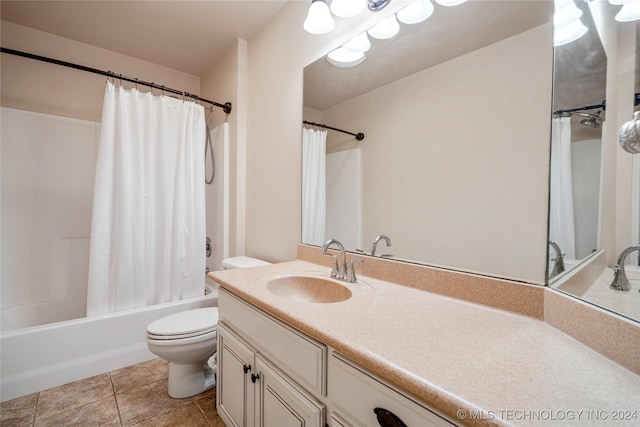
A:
(132, 396)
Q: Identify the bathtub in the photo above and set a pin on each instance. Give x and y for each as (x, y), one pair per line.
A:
(40, 357)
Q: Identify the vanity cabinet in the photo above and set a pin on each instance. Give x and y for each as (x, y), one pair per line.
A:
(265, 370)
(271, 375)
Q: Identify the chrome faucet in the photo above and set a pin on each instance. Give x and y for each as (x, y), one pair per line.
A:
(337, 271)
(558, 265)
(620, 281)
(375, 243)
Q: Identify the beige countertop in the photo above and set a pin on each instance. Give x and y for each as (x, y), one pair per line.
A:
(463, 359)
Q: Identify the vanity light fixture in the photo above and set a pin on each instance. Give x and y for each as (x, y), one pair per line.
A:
(567, 26)
(319, 19)
(450, 2)
(415, 12)
(347, 8)
(630, 11)
(342, 58)
(385, 29)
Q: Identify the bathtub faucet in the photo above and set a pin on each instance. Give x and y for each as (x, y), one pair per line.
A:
(620, 281)
(558, 265)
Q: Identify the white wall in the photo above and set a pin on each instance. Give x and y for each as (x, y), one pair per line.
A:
(586, 164)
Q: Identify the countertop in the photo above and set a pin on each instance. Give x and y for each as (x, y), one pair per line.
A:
(475, 364)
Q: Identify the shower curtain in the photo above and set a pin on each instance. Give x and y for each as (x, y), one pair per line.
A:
(148, 221)
(561, 222)
(313, 186)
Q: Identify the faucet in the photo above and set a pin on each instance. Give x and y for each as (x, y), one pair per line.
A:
(558, 266)
(338, 272)
(620, 281)
(375, 243)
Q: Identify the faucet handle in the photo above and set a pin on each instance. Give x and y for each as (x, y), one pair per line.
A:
(334, 270)
(351, 274)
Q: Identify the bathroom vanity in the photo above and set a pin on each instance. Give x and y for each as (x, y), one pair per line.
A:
(400, 353)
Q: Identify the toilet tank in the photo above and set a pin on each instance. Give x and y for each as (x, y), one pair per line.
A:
(242, 262)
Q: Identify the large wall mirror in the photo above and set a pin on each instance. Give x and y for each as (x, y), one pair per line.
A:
(454, 166)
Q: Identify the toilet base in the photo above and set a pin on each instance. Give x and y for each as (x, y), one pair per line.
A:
(190, 379)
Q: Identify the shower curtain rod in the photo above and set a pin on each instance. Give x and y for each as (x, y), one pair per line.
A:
(359, 136)
(226, 107)
(603, 106)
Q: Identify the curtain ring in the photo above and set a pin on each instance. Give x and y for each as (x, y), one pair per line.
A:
(136, 83)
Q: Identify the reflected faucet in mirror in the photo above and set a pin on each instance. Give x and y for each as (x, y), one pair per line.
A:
(620, 281)
(558, 261)
(386, 239)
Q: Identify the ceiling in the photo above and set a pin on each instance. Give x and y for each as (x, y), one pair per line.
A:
(183, 35)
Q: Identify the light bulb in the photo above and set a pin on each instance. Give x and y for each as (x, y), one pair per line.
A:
(629, 12)
(342, 58)
(569, 33)
(416, 11)
(450, 2)
(347, 8)
(358, 44)
(319, 20)
(619, 2)
(565, 15)
(385, 29)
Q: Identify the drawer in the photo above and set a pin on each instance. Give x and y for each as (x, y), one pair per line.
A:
(357, 394)
(299, 356)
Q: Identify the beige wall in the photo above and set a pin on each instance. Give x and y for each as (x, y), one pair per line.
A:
(276, 60)
(455, 165)
(226, 82)
(47, 88)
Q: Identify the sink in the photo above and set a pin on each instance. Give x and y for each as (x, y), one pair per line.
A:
(308, 289)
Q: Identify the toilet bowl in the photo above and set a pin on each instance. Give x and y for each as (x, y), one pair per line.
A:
(188, 340)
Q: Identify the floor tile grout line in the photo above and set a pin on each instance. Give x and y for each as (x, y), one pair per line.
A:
(115, 398)
(35, 410)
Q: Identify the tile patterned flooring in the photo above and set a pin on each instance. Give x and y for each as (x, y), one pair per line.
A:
(132, 396)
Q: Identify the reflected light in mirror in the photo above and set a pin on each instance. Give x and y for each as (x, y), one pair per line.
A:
(450, 2)
(385, 29)
(347, 8)
(629, 12)
(343, 58)
(358, 44)
(566, 23)
(415, 12)
(319, 20)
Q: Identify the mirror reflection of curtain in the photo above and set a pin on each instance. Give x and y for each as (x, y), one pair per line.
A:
(314, 144)
(561, 220)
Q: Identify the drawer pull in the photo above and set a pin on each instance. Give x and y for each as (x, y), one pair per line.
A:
(255, 377)
(388, 419)
(246, 368)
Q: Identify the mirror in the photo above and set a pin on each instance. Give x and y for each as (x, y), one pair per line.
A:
(614, 213)
(454, 164)
(579, 106)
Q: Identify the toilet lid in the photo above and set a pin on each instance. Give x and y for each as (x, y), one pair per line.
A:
(187, 322)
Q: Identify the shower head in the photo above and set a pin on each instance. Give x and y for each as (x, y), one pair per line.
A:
(592, 120)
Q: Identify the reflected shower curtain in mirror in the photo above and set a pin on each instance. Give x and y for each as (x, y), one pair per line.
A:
(561, 222)
(314, 197)
(148, 223)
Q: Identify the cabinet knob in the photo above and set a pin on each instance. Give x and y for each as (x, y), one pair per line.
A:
(388, 419)
(255, 377)
(246, 368)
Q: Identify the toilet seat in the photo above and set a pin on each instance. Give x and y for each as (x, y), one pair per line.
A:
(185, 324)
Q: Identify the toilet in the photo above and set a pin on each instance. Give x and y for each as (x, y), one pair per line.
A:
(188, 340)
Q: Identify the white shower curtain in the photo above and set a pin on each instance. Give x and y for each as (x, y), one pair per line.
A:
(148, 222)
(561, 222)
(313, 186)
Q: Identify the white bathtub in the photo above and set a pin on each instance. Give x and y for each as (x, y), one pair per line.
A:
(40, 357)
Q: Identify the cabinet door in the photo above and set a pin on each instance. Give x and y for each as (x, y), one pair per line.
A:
(281, 403)
(235, 391)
